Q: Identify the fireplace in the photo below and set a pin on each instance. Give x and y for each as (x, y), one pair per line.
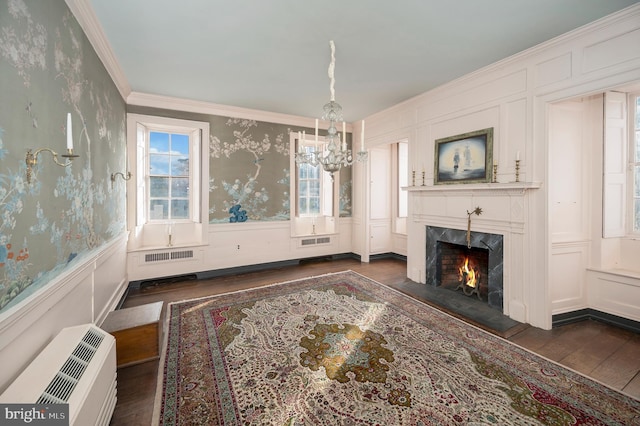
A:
(472, 267)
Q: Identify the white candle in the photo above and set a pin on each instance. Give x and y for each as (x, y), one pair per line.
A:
(299, 141)
(518, 155)
(362, 137)
(69, 133)
(169, 228)
(344, 133)
(128, 165)
(316, 130)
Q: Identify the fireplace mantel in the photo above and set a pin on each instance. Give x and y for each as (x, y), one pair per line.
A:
(511, 188)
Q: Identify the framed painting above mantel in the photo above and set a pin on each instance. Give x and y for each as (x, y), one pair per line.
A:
(465, 158)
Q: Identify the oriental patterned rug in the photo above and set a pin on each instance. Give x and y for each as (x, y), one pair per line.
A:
(341, 349)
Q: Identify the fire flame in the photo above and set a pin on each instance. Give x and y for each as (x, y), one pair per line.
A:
(469, 274)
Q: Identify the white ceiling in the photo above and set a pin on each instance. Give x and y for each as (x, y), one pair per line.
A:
(273, 55)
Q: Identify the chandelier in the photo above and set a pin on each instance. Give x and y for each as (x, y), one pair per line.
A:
(334, 155)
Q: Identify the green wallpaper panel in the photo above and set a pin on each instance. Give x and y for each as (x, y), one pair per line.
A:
(249, 166)
(48, 68)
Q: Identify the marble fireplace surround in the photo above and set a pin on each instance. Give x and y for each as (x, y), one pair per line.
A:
(506, 211)
(481, 240)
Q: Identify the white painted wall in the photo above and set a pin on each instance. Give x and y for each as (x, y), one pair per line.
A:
(233, 245)
(86, 294)
(514, 97)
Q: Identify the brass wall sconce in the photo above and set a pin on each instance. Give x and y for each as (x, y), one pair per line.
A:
(31, 158)
(126, 176)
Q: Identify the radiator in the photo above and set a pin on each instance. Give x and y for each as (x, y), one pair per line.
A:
(78, 367)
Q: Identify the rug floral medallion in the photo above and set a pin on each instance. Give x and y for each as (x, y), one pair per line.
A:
(341, 349)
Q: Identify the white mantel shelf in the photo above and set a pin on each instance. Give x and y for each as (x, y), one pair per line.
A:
(506, 188)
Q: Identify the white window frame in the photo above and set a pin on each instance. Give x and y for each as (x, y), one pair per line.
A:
(326, 187)
(153, 233)
(325, 221)
(634, 133)
(400, 176)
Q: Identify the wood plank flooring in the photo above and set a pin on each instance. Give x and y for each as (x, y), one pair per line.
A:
(605, 353)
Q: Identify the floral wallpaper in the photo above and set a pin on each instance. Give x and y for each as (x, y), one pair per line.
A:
(48, 68)
(249, 171)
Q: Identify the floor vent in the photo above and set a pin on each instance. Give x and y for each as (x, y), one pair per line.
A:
(168, 255)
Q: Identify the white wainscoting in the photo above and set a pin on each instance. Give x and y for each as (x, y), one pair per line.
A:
(84, 294)
(615, 292)
(567, 277)
(234, 245)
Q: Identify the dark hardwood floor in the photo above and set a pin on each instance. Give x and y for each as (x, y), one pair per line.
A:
(607, 354)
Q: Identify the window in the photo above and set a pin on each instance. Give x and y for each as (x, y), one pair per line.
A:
(169, 190)
(314, 195)
(403, 178)
(635, 166)
(168, 173)
(400, 176)
(314, 187)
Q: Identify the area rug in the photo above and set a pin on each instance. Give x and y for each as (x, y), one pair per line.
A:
(342, 349)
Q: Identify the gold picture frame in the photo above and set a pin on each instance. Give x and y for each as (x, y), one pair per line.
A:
(465, 158)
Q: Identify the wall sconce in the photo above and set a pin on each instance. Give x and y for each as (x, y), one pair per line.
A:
(126, 176)
(32, 157)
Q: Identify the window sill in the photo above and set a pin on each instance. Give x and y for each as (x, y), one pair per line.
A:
(165, 247)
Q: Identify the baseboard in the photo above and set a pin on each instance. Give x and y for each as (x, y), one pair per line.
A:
(388, 255)
(254, 268)
(592, 314)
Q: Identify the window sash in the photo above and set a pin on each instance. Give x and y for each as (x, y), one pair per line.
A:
(635, 166)
(168, 179)
(312, 185)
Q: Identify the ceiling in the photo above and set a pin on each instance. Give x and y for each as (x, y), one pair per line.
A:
(274, 55)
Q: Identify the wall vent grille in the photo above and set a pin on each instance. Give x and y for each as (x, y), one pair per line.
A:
(315, 241)
(62, 385)
(185, 254)
(168, 255)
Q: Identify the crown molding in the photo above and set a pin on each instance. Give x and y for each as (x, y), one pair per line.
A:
(201, 107)
(88, 20)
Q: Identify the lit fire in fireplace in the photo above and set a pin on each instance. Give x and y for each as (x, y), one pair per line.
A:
(469, 276)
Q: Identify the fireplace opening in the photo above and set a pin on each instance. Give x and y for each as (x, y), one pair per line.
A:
(463, 269)
(485, 258)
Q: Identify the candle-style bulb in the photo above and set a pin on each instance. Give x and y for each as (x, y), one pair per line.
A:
(69, 133)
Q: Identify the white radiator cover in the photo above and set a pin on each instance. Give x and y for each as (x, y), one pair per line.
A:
(78, 367)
